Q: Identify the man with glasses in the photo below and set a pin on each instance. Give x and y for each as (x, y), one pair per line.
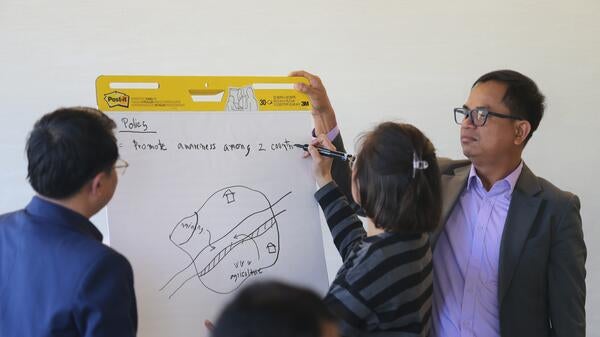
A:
(56, 276)
(509, 256)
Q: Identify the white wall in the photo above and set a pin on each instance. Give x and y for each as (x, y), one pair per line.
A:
(408, 60)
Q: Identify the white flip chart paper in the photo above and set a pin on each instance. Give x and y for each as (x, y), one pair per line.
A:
(209, 203)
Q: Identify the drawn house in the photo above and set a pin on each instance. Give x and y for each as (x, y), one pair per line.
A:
(230, 196)
(271, 248)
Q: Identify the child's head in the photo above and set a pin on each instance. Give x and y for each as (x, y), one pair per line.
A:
(394, 194)
(275, 309)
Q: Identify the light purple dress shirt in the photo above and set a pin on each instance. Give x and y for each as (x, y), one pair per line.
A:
(466, 259)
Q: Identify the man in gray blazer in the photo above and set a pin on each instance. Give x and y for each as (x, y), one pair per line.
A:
(509, 256)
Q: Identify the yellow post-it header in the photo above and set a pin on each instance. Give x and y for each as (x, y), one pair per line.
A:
(199, 93)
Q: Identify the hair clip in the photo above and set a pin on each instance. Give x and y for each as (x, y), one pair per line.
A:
(418, 164)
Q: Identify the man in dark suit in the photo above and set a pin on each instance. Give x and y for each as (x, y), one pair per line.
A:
(56, 276)
(509, 256)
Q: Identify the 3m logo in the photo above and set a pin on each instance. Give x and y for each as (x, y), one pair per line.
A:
(116, 98)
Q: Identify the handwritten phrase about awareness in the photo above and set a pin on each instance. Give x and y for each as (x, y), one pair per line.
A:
(137, 126)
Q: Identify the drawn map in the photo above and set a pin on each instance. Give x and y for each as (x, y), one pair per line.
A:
(233, 234)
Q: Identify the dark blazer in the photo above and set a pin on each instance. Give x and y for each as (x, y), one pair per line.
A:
(58, 279)
(541, 276)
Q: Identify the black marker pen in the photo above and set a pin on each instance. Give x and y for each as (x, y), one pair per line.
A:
(329, 153)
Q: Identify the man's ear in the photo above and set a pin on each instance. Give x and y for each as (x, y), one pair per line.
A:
(97, 184)
(522, 130)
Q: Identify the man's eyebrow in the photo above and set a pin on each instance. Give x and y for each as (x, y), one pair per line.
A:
(479, 107)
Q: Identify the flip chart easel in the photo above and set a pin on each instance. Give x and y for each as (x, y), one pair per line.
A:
(215, 195)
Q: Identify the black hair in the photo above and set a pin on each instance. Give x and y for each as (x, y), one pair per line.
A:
(273, 309)
(67, 148)
(522, 97)
(389, 194)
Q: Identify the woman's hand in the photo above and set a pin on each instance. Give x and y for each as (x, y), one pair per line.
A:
(322, 111)
(321, 164)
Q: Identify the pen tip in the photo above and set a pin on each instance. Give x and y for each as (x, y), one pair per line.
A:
(298, 145)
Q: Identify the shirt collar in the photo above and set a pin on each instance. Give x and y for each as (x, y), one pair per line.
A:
(58, 215)
(511, 178)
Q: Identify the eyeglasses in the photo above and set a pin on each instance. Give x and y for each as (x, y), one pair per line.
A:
(121, 166)
(478, 116)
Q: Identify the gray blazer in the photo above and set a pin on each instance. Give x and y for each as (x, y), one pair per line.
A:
(541, 276)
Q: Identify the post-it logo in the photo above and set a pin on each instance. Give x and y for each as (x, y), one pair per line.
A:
(116, 98)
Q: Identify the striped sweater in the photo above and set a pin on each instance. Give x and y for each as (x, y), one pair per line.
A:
(384, 287)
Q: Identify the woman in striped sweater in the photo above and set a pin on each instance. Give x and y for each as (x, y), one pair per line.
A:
(384, 286)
